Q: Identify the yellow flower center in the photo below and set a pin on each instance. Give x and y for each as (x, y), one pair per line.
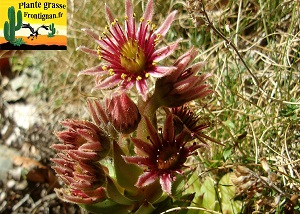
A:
(132, 57)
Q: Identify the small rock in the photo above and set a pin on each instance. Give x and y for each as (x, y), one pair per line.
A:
(2, 196)
(16, 173)
(11, 183)
(6, 160)
(21, 186)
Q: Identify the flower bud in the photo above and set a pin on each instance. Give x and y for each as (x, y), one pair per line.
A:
(83, 140)
(183, 85)
(122, 112)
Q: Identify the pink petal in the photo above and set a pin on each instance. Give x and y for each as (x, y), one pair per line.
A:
(70, 137)
(128, 85)
(92, 71)
(91, 167)
(184, 85)
(64, 171)
(71, 123)
(145, 147)
(61, 147)
(129, 10)
(92, 34)
(109, 15)
(204, 77)
(107, 46)
(109, 82)
(196, 93)
(164, 52)
(130, 21)
(163, 29)
(94, 113)
(161, 71)
(83, 156)
(67, 179)
(138, 160)
(149, 11)
(89, 134)
(142, 34)
(186, 58)
(91, 147)
(87, 50)
(146, 179)
(86, 178)
(64, 164)
(197, 66)
(183, 61)
(82, 185)
(166, 183)
(142, 87)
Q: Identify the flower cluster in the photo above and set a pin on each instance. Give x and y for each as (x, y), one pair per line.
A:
(142, 161)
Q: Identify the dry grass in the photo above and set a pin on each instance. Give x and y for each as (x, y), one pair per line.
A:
(258, 115)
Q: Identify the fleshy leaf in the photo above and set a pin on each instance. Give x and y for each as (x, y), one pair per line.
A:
(106, 207)
(227, 191)
(126, 174)
(208, 193)
(181, 181)
(145, 208)
(114, 194)
(153, 192)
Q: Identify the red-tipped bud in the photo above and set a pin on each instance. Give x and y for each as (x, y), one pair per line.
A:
(84, 138)
(183, 85)
(122, 112)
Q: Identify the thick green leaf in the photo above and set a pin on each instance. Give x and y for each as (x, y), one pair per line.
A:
(227, 192)
(181, 181)
(194, 187)
(226, 153)
(106, 207)
(114, 194)
(163, 206)
(152, 192)
(145, 208)
(126, 174)
(209, 197)
(229, 124)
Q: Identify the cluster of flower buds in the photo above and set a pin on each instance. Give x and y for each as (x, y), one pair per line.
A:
(82, 145)
(144, 171)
